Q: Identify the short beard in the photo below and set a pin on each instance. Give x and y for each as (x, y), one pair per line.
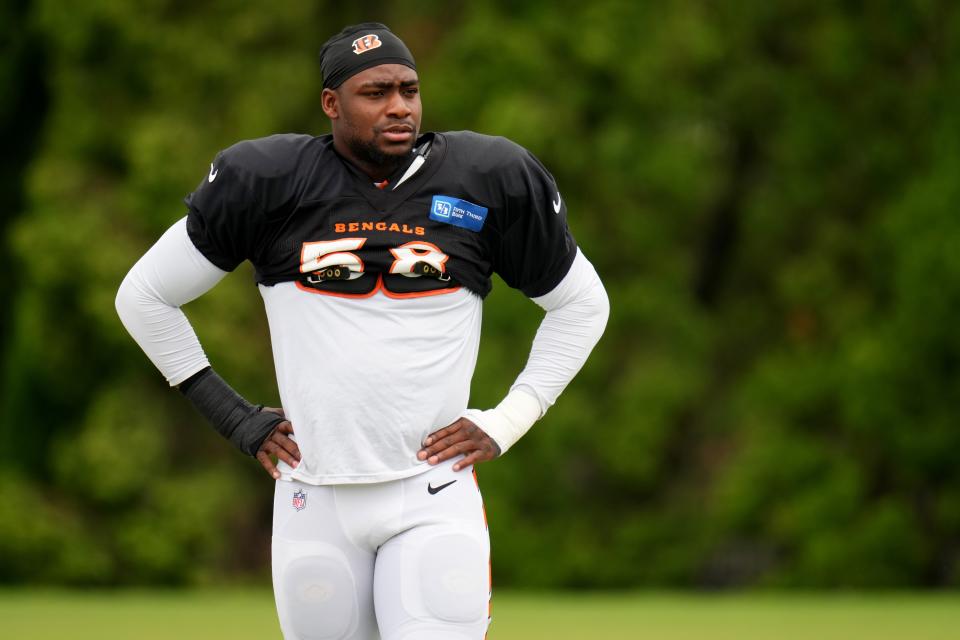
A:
(368, 152)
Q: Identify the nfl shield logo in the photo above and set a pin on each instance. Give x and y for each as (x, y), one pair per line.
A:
(299, 500)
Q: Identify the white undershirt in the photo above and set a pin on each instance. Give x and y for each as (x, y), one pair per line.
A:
(363, 380)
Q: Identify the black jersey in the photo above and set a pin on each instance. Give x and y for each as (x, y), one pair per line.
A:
(299, 212)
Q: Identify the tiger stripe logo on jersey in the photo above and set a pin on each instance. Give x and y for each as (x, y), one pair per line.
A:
(366, 43)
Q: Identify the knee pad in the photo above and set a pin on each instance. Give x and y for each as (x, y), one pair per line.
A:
(455, 578)
(321, 597)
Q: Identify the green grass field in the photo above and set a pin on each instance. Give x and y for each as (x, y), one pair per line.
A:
(242, 615)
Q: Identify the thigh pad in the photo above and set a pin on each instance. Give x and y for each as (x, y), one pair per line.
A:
(454, 578)
(319, 595)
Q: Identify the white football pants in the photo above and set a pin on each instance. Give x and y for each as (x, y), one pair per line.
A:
(402, 560)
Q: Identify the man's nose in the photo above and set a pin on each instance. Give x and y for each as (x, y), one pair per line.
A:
(398, 106)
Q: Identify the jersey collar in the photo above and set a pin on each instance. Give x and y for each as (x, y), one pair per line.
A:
(402, 184)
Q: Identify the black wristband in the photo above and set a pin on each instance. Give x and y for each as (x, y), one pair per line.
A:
(240, 422)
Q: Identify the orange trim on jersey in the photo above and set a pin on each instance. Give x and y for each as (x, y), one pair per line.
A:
(379, 286)
(338, 294)
(417, 294)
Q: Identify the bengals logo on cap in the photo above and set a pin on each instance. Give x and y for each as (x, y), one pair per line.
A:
(365, 43)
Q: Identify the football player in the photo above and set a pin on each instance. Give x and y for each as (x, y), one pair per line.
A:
(373, 249)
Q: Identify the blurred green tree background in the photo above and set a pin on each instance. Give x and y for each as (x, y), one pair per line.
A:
(768, 189)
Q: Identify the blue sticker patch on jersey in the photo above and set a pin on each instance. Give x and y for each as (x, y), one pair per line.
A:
(457, 212)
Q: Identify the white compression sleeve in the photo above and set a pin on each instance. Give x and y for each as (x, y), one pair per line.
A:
(577, 311)
(172, 273)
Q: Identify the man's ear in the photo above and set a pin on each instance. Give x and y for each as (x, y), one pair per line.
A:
(330, 102)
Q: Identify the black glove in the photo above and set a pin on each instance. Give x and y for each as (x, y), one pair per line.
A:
(243, 424)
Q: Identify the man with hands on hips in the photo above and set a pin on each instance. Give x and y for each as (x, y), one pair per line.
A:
(373, 249)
